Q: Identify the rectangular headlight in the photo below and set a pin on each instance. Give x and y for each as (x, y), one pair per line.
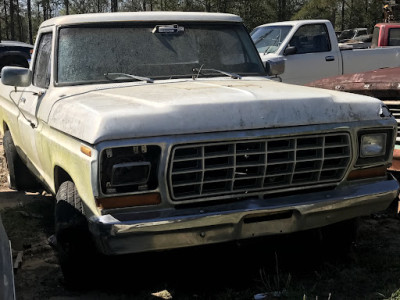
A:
(129, 169)
(130, 173)
(373, 145)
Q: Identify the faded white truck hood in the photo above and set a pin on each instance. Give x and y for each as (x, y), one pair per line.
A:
(98, 113)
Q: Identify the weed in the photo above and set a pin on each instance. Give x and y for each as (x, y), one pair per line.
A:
(278, 285)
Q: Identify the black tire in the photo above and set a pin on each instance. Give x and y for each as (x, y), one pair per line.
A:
(19, 176)
(75, 247)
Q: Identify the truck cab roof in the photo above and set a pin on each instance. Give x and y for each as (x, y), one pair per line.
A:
(141, 17)
(296, 22)
(389, 25)
(15, 43)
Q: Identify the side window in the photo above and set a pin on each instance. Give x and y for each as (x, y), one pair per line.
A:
(41, 70)
(311, 38)
(362, 32)
(394, 37)
(375, 36)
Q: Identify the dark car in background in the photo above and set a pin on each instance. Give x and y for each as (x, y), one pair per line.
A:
(14, 53)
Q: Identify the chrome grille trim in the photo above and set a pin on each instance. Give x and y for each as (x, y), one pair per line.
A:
(243, 166)
(394, 108)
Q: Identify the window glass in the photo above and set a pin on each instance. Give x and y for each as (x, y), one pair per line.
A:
(268, 38)
(41, 73)
(311, 38)
(141, 50)
(394, 37)
(362, 32)
(346, 34)
(375, 36)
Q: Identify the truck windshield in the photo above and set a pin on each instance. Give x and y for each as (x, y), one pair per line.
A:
(346, 34)
(268, 39)
(87, 54)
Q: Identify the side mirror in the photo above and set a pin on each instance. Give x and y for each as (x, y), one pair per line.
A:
(16, 76)
(275, 67)
(290, 50)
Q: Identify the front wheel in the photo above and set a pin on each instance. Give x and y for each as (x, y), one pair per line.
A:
(74, 243)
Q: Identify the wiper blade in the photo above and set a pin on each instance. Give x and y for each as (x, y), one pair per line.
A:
(276, 43)
(121, 75)
(262, 37)
(231, 75)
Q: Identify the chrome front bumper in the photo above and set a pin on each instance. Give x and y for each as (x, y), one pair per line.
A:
(253, 217)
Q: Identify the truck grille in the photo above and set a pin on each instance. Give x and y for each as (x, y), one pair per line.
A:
(240, 167)
(394, 107)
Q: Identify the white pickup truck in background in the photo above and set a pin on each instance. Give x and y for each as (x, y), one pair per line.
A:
(310, 51)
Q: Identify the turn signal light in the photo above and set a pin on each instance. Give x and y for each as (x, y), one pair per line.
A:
(87, 151)
(128, 201)
(367, 173)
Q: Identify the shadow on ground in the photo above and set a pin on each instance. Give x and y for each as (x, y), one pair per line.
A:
(229, 271)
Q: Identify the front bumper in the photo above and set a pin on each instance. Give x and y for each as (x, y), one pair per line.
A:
(253, 217)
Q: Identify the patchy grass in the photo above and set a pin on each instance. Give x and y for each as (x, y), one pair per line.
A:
(26, 222)
(286, 267)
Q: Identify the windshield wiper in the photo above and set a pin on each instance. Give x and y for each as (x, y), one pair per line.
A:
(231, 75)
(262, 37)
(276, 42)
(119, 75)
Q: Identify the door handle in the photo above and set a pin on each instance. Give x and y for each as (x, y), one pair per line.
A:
(329, 58)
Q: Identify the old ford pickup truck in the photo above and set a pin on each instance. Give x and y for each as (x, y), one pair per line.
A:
(310, 51)
(162, 130)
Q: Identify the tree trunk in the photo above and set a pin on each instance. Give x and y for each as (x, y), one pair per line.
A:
(44, 7)
(281, 10)
(6, 21)
(225, 6)
(38, 11)
(333, 15)
(30, 35)
(351, 15)
(343, 3)
(114, 5)
(12, 31)
(66, 5)
(20, 29)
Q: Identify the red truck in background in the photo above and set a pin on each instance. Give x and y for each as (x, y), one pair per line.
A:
(386, 34)
(383, 84)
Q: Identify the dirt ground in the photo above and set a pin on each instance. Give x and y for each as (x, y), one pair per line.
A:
(280, 268)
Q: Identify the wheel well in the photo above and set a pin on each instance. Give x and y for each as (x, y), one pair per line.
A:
(60, 175)
(5, 127)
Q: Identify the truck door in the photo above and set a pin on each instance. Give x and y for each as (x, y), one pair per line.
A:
(31, 97)
(312, 57)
